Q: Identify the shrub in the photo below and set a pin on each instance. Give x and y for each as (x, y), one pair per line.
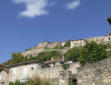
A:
(15, 83)
(65, 66)
(11, 83)
(37, 81)
(73, 53)
(67, 44)
(93, 52)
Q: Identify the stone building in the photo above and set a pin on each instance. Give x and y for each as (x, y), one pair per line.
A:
(50, 70)
(90, 74)
(34, 51)
(24, 71)
(4, 75)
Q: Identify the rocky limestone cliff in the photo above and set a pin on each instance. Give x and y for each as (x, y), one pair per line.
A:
(41, 47)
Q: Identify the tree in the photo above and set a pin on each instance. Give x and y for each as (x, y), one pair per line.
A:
(73, 53)
(67, 44)
(17, 58)
(93, 52)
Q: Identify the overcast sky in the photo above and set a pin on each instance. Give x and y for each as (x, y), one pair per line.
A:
(25, 23)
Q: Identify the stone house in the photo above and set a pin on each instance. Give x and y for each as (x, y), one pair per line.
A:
(4, 75)
(24, 71)
(50, 70)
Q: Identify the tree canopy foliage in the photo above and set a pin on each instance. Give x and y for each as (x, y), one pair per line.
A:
(90, 53)
(73, 53)
(67, 44)
(43, 56)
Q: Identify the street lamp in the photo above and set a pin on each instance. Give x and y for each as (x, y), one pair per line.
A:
(109, 20)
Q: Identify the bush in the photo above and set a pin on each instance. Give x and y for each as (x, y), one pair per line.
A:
(37, 81)
(11, 83)
(15, 83)
(93, 52)
(73, 53)
(65, 66)
(90, 53)
(67, 44)
(46, 56)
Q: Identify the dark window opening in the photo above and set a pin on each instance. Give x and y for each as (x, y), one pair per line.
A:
(74, 82)
(32, 68)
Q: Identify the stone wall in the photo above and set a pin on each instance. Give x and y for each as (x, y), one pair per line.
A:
(3, 78)
(56, 74)
(41, 46)
(95, 74)
(22, 72)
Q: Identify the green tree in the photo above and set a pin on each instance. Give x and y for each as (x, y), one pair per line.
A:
(45, 56)
(17, 58)
(67, 44)
(73, 53)
(93, 52)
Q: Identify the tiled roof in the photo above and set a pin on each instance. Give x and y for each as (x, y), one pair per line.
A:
(24, 63)
(4, 67)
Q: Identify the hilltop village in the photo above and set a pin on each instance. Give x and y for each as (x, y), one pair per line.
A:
(56, 70)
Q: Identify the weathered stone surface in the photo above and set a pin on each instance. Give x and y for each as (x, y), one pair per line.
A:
(95, 74)
(41, 46)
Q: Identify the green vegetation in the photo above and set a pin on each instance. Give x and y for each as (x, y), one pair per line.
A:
(67, 44)
(15, 83)
(43, 56)
(93, 52)
(108, 45)
(16, 58)
(73, 53)
(65, 66)
(90, 53)
(59, 47)
(35, 81)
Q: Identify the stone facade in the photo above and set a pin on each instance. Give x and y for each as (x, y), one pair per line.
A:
(52, 71)
(3, 78)
(4, 75)
(95, 74)
(90, 74)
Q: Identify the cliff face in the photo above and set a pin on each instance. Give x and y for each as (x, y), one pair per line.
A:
(46, 46)
(41, 47)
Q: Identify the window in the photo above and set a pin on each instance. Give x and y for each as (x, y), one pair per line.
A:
(25, 71)
(74, 82)
(14, 72)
